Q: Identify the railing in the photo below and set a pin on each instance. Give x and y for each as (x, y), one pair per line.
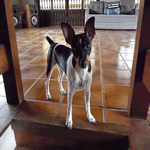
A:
(61, 4)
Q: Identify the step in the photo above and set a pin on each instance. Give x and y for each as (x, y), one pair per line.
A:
(49, 132)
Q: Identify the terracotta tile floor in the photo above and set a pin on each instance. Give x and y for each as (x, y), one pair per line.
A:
(111, 59)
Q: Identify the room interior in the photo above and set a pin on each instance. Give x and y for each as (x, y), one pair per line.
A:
(119, 91)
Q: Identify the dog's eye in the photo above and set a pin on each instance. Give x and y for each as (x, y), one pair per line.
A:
(87, 46)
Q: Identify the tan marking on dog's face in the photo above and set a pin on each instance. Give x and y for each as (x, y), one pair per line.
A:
(77, 60)
(87, 60)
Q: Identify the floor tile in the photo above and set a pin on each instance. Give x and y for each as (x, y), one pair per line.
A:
(111, 56)
(128, 56)
(3, 101)
(94, 55)
(32, 71)
(96, 76)
(116, 77)
(23, 59)
(95, 100)
(95, 63)
(10, 143)
(38, 91)
(129, 63)
(32, 53)
(114, 64)
(42, 61)
(2, 89)
(79, 112)
(95, 49)
(27, 83)
(105, 51)
(39, 108)
(126, 50)
(117, 117)
(1, 78)
(55, 74)
(116, 96)
(20, 52)
(25, 47)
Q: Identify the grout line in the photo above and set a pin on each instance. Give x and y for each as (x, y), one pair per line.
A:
(119, 51)
(37, 55)
(102, 85)
(77, 105)
(60, 103)
(34, 83)
(31, 61)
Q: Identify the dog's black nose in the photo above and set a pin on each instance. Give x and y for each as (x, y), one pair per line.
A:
(83, 64)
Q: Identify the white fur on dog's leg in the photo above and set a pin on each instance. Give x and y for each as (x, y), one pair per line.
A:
(91, 119)
(88, 110)
(61, 74)
(48, 95)
(69, 121)
(63, 92)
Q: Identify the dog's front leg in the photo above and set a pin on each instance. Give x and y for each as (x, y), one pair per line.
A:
(69, 109)
(87, 104)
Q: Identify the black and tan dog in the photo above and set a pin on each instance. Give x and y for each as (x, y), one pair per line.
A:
(74, 63)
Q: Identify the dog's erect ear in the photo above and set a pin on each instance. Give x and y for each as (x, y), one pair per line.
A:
(89, 27)
(68, 32)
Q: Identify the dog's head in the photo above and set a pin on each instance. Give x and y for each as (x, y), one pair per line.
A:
(80, 43)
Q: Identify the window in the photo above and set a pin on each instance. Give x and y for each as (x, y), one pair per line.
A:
(61, 4)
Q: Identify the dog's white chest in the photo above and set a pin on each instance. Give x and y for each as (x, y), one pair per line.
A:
(79, 80)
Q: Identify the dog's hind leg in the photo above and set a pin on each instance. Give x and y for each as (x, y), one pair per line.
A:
(60, 77)
(50, 64)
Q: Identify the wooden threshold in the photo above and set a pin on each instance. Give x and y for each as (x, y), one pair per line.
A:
(49, 132)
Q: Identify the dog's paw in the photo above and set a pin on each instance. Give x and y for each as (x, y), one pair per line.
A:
(69, 124)
(63, 92)
(92, 119)
(49, 97)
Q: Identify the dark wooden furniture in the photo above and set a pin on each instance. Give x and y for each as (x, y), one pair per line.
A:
(9, 62)
(139, 97)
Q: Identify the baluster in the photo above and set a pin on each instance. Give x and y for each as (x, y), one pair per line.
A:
(53, 4)
(78, 4)
(71, 4)
(41, 7)
(74, 4)
(48, 4)
(58, 4)
(43, 4)
(64, 4)
(56, 7)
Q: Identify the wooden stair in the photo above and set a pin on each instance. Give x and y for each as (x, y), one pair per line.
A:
(45, 132)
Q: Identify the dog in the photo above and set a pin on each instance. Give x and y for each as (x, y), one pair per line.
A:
(74, 63)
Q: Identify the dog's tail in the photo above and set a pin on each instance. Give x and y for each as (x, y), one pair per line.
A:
(49, 40)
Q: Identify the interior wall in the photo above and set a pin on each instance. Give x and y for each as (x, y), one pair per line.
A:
(22, 3)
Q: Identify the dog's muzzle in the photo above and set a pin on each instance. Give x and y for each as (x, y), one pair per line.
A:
(83, 63)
